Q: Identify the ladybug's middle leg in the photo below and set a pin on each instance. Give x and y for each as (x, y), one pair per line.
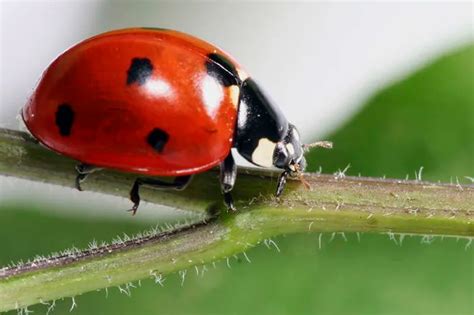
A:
(179, 183)
(83, 170)
(227, 178)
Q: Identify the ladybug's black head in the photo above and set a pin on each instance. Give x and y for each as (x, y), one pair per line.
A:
(288, 153)
(264, 136)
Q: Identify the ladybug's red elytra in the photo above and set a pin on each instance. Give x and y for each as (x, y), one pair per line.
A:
(161, 103)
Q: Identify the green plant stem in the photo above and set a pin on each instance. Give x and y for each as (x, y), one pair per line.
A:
(335, 204)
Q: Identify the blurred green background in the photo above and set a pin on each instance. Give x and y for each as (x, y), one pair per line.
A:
(426, 120)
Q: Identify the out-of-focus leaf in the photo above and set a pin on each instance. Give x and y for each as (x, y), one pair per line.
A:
(426, 120)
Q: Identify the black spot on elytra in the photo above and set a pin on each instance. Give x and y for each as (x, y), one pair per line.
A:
(64, 119)
(222, 69)
(158, 138)
(140, 70)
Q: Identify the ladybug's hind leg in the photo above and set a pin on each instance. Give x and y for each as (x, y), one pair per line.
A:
(227, 179)
(179, 183)
(83, 170)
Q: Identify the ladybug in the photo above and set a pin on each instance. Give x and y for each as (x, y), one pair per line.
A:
(159, 102)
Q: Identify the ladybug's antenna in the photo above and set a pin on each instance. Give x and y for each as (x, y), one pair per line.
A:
(318, 144)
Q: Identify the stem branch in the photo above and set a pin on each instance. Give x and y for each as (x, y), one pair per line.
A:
(335, 204)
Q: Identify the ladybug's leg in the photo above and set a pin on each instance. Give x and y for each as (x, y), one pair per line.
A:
(227, 178)
(179, 183)
(281, 183)
(83, 170)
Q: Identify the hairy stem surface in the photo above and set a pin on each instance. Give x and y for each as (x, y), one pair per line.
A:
(335, 204)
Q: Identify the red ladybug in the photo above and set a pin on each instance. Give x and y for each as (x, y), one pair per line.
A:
(161, 103)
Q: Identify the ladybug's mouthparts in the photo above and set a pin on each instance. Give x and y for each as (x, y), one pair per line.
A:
(299, 174)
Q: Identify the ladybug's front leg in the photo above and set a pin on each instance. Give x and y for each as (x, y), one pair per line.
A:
(227, 178)
(179, 183)
(281, 183)
(83, 170)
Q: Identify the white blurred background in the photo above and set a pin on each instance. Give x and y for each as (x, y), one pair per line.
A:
(318, 60)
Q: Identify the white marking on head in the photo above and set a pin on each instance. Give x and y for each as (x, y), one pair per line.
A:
(290, 148)
(234, 92)
(263, 153)
(242, 74)
(242, 116)
(212, 94)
